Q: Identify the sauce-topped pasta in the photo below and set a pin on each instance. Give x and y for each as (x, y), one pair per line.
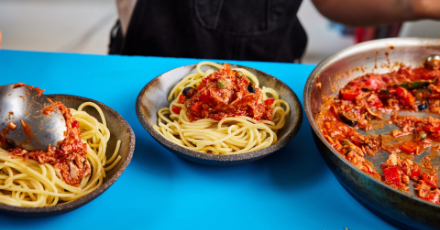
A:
(222, 112)
(58, 174)
(226, 93)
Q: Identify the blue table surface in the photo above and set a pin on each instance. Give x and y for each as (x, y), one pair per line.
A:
(291, 189)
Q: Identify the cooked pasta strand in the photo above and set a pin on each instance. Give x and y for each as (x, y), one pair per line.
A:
(30, 184)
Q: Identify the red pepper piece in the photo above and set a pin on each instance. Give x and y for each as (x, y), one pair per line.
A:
(181, 99)
(349, 95)
(176, 109)
(415, 172)
(205, 96)
(392, 175)
(269, 101)
(202, 84)
(430, 179)
(433, 198)
(431, 128)
(197, 107)
(406, 97)
(409, 148)
(226, 66)
(373, 82)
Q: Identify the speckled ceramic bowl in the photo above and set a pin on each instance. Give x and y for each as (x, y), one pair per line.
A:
(119, 129)
(154, 97)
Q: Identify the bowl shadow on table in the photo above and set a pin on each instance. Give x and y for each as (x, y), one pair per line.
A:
(293, 166)
(297, 164)
(32, 221)
(151, 157)
(148, 155)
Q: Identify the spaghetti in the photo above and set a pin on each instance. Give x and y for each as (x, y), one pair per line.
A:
(29, 180)
(222, 112)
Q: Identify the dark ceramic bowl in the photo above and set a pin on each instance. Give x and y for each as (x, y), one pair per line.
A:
(119, 130)
(154, 97)
(380, 56)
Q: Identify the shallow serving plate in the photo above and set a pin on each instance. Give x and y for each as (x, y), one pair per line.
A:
(154, 97)
(119, 129)
(380, 56)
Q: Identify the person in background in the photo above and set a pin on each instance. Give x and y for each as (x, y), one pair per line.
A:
(258, 30)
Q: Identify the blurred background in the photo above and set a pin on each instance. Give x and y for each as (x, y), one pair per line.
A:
(83, 26)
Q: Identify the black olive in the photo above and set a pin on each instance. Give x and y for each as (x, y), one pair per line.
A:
(423, 106)
(348, 120)
(366, 89)
(250, 88)
(188, 92)
(185, 90)
(384, 94)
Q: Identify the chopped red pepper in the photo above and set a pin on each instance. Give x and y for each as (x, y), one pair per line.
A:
(197, 107)
(205, 96)
(415, 172)
(269, 101)
(430, 179)
(431, 128)
(406, 97)
(392, 175)
(181, 99)
(373, 82)
(226, 66)
(349, 95)
(433, 198)
(176, 109)
(409, 148)
(202, 84)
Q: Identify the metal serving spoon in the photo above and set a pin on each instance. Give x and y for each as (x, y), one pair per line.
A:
(22, 122)
(433, 62)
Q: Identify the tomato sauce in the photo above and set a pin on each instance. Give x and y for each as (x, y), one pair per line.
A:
(226, 93)
(364, 101)
(20, 84)
(69, 158)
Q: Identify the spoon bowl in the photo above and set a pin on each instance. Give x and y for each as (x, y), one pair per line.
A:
(25, 123)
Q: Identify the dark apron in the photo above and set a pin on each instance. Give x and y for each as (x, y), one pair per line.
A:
(258, 30)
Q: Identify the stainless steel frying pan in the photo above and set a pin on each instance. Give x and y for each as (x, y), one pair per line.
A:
(380, 56)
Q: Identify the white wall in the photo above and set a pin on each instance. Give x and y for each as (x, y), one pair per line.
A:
(422, 28)
(79, 26)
